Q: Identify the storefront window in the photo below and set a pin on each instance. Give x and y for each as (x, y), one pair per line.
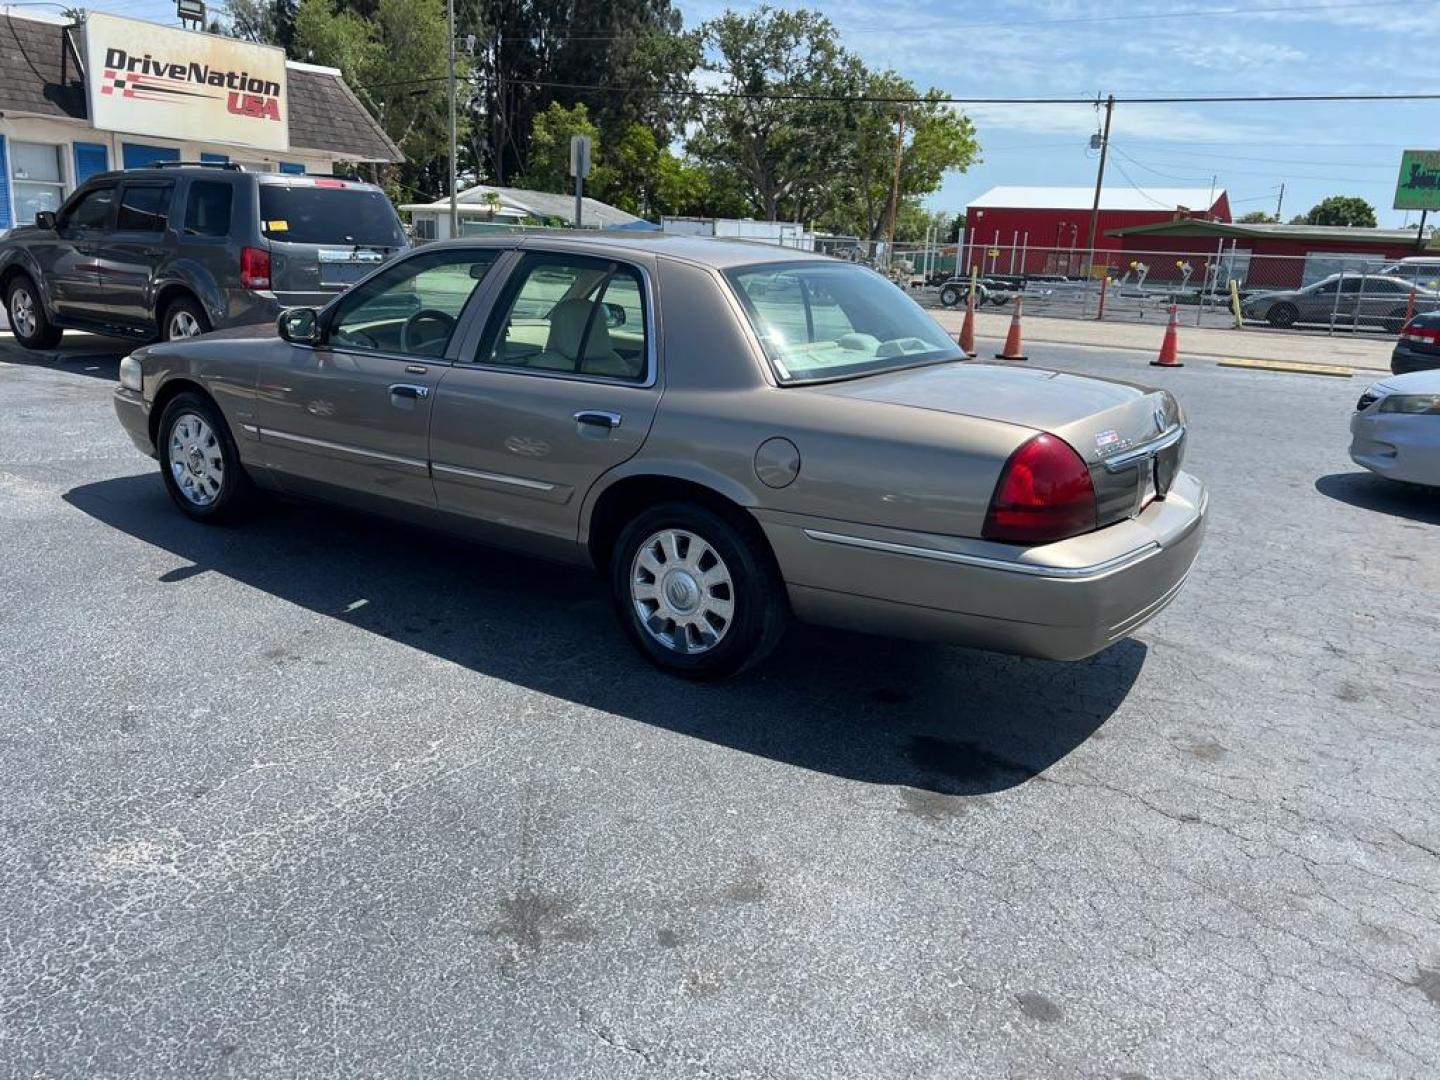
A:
(37, 178)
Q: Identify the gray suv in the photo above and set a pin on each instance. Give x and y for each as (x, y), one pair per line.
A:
(176, 250)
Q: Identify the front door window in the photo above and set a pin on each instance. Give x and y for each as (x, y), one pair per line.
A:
(412, 307)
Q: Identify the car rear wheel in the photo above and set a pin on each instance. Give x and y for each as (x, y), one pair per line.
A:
(1394, 321)
(1282, 316)
(199, 462)
(698, 594)
(28, 322)
(184, 318)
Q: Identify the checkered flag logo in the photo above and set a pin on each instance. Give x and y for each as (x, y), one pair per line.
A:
(115, 81)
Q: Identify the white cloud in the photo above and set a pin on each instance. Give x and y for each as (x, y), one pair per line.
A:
(1169, 123)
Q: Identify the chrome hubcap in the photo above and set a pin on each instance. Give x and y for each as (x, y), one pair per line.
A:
(682, 590)
(196, 462)
(183, 325)
(22, 312)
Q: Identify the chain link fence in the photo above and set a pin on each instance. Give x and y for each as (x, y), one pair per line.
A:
(1222, 287)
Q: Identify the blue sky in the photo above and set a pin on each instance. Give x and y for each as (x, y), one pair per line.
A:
(1041, 48)
(1048, 48)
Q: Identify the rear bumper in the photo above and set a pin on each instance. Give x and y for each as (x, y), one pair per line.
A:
(133, 412)
(1397, 446)
(1063, 601)
(1406, 359)
(249, 307)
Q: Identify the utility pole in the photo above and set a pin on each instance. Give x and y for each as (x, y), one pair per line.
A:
(1280, 202)
(454, 210)
(895, 187)
(1420, 232)
(1100, 177)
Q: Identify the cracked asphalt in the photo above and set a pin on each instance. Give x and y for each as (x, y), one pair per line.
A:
(321, 797)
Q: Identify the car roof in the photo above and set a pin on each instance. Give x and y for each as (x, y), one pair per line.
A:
(700, 250)
(212, 172)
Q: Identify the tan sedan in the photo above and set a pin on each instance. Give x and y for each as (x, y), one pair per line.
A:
(734, 434)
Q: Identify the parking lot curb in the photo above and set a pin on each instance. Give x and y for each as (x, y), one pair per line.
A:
(1290, 366)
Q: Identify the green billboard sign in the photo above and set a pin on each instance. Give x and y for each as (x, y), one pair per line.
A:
(1419, 186)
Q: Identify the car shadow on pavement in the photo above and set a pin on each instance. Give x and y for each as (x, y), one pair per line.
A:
(937, 718)
(96, 357)
(1371, 492)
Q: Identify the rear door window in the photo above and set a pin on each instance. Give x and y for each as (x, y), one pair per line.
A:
(144, 208)
(306, 214)
(207, 209)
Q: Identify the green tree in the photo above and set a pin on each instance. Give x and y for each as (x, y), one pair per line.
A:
(1342, 210)
(269, 22)
(549, 159)
(647, 179)
(393, 54)
(787, 147)
(623, 59)
(1257, 217)
(955, 228)
(936, 139)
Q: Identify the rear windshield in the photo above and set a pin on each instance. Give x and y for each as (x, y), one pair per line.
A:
(836, 320)
(328, 215)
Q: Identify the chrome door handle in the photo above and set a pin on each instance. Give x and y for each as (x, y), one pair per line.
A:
(598, 418)
(410, 390)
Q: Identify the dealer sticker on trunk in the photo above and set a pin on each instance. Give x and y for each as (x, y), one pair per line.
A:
(1108, 441)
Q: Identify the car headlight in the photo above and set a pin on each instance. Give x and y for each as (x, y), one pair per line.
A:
(1411, 403)
(131, 375)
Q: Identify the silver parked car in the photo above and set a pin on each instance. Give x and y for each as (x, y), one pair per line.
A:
(1396, 428)
(1357, 299)
(732, 433)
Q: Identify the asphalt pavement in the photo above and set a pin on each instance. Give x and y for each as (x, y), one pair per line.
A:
(317, 796)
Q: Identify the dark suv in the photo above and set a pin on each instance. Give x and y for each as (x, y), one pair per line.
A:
(177, 249)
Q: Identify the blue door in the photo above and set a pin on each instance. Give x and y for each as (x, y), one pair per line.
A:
(90, 158)
(138, 155)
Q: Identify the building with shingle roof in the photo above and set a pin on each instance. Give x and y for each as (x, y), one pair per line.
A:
(49, 144)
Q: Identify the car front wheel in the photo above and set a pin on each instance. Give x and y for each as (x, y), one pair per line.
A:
(28, 321)
(198, 460)
(1282, 316)
(697, 593)
(949, 297)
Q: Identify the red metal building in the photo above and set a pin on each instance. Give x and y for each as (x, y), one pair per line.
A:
(1269, 256)
(1045, 230)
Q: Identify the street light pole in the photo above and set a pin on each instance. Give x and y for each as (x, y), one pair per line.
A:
(1100, 176)
(454, 210)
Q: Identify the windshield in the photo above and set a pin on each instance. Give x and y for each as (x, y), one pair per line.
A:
(328, 215)
(835, 320)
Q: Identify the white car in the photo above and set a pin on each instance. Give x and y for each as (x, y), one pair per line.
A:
(1396, 428)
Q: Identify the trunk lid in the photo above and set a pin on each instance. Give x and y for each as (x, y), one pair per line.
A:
(1098, 417)
(1125, 433)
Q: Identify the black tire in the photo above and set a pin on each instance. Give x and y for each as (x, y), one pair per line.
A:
(1282, 316)
(176, 314)
(44, 334)
(757, 593)
(949, 296)
(228, 497)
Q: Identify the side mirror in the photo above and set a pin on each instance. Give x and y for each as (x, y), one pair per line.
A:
(45, 219)
(299, 326)
(614, 316)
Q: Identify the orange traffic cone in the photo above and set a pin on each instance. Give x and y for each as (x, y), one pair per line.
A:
(967, 328)
(1170, 347)
(1013, 350)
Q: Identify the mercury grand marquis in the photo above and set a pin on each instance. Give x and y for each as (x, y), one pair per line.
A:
(733, 434)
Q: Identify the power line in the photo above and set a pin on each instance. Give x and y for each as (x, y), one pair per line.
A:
(869, 99)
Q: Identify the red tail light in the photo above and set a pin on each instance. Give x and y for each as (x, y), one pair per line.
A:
(1044, 494)
(254, 268)
(1425, 334)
